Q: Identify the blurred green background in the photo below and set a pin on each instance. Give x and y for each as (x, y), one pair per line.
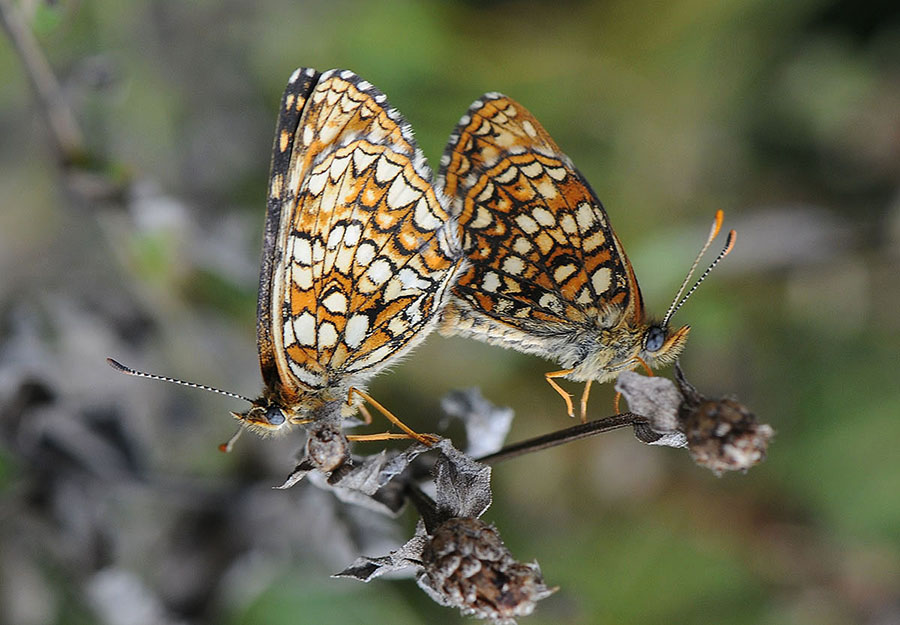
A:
(784, 114)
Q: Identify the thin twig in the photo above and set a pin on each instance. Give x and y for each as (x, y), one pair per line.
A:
(67, 135)
(425, 506)
(561, 437)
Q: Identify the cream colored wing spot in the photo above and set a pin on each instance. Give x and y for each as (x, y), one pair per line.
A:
(356, 330)
(385, 170)
(601, 280)
(527, 224)
(543, 217)
(563, 272)
(567, 223)
(557, 173)
(302, 251)
(401, 194)
(507, 175)
(486, 193)
(584, 215)
(302, 276)
(483, 218)
(491, 282)
(352, 234)
(424, 217)
(327, 335)
(316, 183)
(365, 253)
(338, 167)
(532, 170)
(343, 260)
(362, 160)
(305, 329)
(513, 265)
(289, 338)
(412, 281)
(522, 245)
(318, 250)
(379, 271)
(335, 303)
(308, 135)
(335, 237)
(398, 326)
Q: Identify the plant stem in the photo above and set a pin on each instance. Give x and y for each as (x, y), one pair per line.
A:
(561, 437)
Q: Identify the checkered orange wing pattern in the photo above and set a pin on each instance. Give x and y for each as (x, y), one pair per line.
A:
(363, 251)
(544, 260)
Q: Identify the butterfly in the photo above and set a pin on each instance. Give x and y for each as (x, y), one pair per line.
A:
(546, 274)
(358, 254)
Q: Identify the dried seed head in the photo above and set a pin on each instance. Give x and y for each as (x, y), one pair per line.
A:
(724, 436)
(466, 565)
(327, 447)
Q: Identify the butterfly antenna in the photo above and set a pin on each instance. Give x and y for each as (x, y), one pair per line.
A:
(713, 233)
(729, 245)
(118, 366)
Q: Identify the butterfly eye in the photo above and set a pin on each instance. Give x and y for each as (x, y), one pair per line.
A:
(656, 336)
(274, 415)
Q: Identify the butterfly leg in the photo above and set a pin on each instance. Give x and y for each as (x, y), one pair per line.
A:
(384, 436)
(556, 387)
(425, 439)
(640, 361)
(584, 400)
(367, 416)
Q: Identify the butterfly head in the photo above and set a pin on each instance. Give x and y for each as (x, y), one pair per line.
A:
(264, 417)
(661, 346)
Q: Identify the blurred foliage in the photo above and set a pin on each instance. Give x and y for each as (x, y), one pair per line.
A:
(782, 113)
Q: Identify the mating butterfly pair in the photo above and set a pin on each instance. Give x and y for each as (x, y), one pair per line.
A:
(363, 257)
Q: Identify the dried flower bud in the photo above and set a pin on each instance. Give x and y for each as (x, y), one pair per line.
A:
(327, 447)
(722, 434)
(466, 565)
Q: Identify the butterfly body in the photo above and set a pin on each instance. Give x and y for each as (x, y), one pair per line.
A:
(546, 273)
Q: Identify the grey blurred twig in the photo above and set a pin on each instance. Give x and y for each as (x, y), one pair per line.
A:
(64, 128)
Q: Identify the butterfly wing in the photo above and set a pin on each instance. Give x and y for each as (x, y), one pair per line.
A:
(364, 250)
(545, 267)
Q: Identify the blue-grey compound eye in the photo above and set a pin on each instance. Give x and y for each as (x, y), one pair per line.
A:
(274, 415)
(656, 336)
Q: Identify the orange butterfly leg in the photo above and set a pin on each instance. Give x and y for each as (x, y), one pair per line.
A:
(384, 436)
(556, 387)
(646, 366)
(584, 400)
(649, 371)
(425, 439)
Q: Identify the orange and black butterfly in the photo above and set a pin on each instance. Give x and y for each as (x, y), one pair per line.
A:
(547, 274)
(358, 252)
